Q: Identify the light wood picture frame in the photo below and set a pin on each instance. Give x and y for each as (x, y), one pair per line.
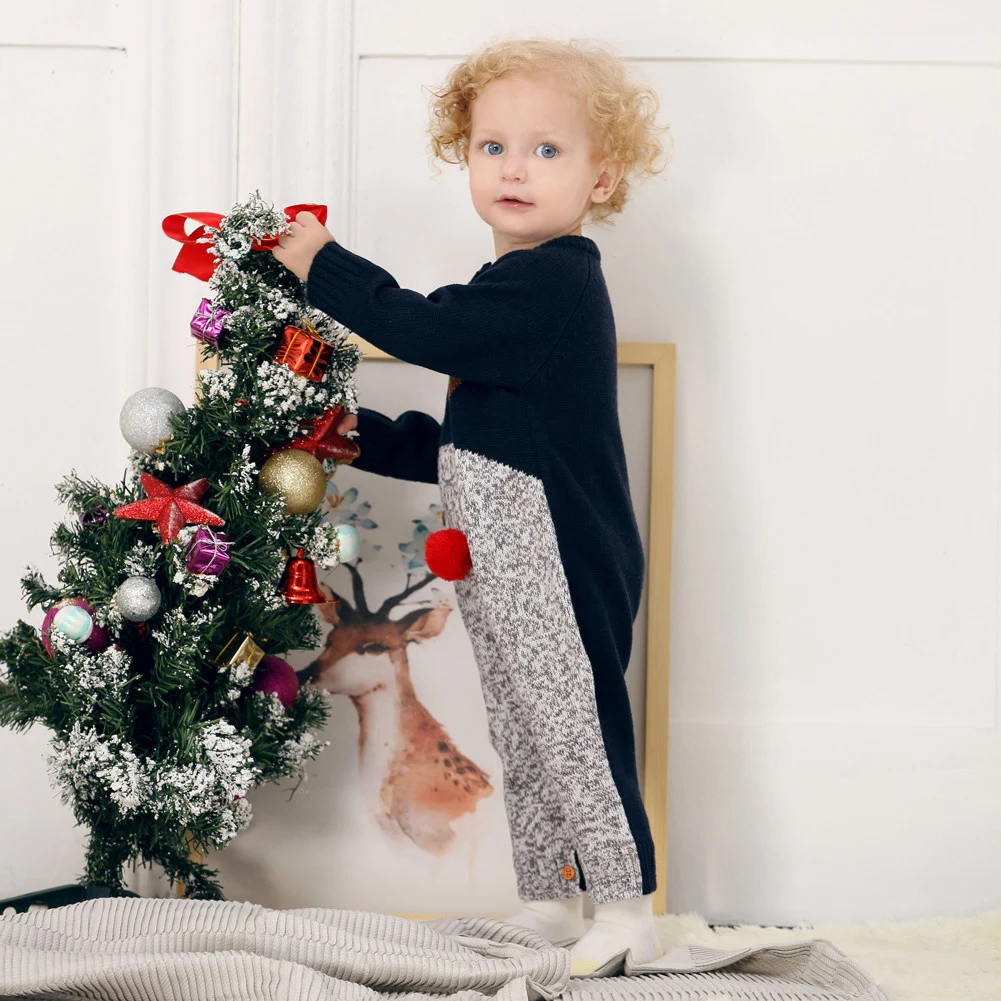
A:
(660, 359)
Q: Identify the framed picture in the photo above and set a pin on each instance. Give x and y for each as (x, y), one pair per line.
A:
(404, 812)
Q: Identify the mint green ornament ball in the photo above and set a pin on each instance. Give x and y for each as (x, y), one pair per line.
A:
(74, 622)
(348, 543)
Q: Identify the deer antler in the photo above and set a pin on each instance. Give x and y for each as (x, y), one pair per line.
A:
(358, 586)
(393, 601)
(335, 610)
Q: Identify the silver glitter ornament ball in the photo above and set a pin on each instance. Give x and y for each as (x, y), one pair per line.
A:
(145, 417)
(138, 599)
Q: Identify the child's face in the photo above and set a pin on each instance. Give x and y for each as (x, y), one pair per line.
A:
(530, 138)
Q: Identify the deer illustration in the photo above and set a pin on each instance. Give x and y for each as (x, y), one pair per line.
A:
(416, 781)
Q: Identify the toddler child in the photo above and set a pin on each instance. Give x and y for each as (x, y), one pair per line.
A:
(530, 463)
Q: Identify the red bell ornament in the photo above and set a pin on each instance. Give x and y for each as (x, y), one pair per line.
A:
(446, 554)
(299, 585)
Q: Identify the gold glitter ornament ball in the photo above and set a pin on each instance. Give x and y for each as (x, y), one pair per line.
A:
(297, 476)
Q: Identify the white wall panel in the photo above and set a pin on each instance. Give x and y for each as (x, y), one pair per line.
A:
(296, 104)
(113, 116)
(828, 270)
(99, 24)
(68, 344)
(193, 71)
(786, 30)
(409, 214)
(789, 823)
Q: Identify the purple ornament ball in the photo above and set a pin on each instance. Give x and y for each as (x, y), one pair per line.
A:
(276, 675)
(98, 639)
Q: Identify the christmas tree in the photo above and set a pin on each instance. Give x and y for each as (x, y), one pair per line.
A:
(155, 666)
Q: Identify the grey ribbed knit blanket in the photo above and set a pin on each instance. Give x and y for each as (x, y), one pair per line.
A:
(128, 949)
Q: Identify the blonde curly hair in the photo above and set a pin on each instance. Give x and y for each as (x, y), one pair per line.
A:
(621, 112)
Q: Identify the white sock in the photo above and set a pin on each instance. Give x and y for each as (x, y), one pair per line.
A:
(560, 921)
(619, 926)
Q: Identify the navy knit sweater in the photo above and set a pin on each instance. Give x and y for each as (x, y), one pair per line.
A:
(532, 339)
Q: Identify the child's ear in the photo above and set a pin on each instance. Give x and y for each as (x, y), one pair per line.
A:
(608, 180)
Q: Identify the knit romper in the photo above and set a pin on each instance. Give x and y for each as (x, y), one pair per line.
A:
(531, 467)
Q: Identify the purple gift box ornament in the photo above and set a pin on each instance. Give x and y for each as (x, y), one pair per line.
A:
(208, 552)
(91, 519)
(207, 323)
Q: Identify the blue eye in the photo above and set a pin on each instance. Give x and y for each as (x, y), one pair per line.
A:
(491, 142)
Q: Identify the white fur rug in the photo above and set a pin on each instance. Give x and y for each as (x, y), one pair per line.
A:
(929, 959)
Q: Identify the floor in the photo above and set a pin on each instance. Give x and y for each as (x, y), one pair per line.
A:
(928, 959)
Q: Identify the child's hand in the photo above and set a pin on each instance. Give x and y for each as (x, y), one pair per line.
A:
(347, 423)
(297, 248)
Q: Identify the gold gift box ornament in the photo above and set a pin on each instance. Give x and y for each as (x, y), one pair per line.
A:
(248, 652)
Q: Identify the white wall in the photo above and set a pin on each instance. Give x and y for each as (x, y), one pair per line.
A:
(824, 252)
(105, 127)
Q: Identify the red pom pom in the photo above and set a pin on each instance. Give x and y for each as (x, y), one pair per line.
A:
(447, 554)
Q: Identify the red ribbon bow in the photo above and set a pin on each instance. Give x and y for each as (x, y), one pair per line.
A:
(194, 258)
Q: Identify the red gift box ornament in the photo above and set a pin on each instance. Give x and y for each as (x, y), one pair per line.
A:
(304, 351)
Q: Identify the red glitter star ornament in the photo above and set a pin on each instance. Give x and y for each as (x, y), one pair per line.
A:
(323, 441)
(170, 507)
